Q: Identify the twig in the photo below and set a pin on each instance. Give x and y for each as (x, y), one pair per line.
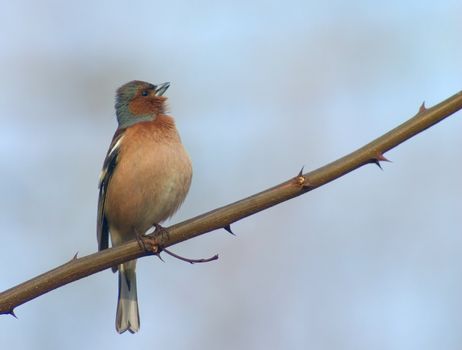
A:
(191, 261)
(223, 217)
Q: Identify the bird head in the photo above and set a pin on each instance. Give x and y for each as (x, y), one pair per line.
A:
(138, 101)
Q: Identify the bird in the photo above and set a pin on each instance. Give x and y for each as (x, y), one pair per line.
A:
(145, 178)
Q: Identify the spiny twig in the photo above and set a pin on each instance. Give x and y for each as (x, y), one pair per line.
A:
(223, 217)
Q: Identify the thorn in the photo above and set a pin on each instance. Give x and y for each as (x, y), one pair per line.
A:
(301, 172)
(381, 158)
(376, 162)
(158, 255)
(11, 312)
(73, 258)
(422, 107)
(191, 261)
(228, 228)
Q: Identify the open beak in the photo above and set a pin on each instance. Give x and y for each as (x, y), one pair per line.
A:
(161, 88)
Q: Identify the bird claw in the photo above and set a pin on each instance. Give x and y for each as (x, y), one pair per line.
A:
(160, 231)
(147, 243)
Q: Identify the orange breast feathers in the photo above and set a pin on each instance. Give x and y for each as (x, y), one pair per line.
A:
(151, 179)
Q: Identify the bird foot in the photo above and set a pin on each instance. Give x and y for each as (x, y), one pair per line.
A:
(147, 243)
(160, 231)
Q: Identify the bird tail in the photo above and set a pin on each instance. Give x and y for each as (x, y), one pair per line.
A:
(128, 317)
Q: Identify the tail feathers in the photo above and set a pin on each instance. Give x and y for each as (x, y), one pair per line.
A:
(128, 317)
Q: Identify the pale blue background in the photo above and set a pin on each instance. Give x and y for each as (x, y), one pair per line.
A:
(371, 261)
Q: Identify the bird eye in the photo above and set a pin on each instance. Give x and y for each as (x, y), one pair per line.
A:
(145, 93)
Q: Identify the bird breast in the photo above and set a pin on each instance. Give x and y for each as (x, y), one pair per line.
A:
(149, 183)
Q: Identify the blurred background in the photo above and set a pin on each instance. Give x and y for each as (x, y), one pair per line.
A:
(259, 89)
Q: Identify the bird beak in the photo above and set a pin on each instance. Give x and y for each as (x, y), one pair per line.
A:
(160, 89)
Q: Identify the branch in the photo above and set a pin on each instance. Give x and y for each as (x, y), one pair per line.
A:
(223, 217)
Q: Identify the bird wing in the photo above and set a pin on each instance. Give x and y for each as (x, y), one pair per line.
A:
(109, 166)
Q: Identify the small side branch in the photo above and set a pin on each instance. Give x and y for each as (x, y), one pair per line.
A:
(191, 261)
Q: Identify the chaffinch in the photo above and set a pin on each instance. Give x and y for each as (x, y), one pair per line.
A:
(145, 178)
